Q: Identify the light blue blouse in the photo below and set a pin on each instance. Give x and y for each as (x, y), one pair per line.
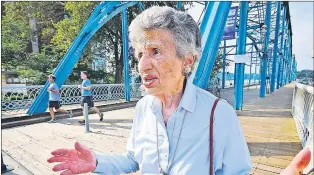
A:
(231, 154)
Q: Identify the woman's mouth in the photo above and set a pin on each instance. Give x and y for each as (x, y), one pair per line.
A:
(149, 81)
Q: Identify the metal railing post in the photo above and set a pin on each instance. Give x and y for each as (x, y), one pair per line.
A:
(85, 111)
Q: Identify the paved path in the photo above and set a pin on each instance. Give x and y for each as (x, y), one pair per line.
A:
(267, 124)
(270, 130)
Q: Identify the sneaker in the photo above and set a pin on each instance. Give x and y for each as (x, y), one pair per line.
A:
(52, 121)
(81, 122)
(101, 116)
(70, 113)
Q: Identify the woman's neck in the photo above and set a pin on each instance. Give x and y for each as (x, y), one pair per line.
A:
(170, 102)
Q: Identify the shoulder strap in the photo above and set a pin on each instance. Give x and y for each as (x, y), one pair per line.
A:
(211, 137)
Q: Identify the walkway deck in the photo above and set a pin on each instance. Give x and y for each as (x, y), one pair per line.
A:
(267, 124)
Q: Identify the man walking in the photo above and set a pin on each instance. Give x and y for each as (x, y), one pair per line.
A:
(54, 99)
(87, 97)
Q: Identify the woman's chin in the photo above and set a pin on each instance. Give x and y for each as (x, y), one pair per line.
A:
(153, 91)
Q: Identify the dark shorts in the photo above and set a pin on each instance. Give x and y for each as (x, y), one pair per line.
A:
(88, 100)
(54, 104)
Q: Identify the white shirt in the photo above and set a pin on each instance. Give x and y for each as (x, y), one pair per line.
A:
(231, 154)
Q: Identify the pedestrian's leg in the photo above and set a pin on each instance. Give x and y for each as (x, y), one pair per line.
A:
(52, 114)
(101, 115)
(61, 110)
(65, 111)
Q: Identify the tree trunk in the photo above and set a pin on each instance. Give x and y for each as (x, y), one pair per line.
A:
(118, 60)
(34, 37)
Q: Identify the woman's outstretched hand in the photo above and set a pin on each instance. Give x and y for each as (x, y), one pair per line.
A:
(74, 161)
(299, 162)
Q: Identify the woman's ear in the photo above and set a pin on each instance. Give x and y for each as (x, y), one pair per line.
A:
(189, 61)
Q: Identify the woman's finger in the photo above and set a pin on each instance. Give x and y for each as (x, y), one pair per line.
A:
(61, 152)
(58, 159)
(60, 167)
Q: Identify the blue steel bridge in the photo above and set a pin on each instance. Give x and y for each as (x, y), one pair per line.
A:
(255, 38)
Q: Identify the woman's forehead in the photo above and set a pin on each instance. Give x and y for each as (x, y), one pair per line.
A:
(156, 38)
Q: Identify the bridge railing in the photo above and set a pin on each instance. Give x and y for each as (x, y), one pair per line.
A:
(15, 98)
(302, 111)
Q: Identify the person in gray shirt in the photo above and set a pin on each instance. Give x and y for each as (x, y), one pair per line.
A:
(54, 99)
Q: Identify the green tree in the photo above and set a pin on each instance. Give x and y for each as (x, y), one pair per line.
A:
(217, 68)
(15, 36)
(17, 33)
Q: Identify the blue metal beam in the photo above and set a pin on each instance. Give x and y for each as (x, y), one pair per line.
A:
(214, 30)
(284, 64)
(206, 22)
(294, 69)
(253, 27)
(224, 65)
(125, 48)
(283, 46)
(265, 51)
(251, 65)
(285, 53)
(239, 67)
(288, 58)
(273, 74)
(141, 6)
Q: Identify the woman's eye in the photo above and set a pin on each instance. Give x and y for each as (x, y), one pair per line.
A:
(156, 51)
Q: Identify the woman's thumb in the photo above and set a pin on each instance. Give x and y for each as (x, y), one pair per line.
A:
(299, 162)
(82, 149)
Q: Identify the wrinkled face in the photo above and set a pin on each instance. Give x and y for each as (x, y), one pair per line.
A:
(83, 76)
(159, 67)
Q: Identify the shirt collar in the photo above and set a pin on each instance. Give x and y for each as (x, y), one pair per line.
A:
(188, 100)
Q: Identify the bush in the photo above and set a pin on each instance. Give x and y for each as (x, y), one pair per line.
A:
(15, 97)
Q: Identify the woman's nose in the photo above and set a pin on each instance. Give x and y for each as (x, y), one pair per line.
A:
(145, 63)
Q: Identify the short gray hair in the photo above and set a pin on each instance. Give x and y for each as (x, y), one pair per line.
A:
(181, 25)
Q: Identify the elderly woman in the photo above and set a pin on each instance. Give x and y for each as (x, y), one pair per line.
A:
(170, 131)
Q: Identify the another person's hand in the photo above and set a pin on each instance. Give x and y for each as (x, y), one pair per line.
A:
(74, 161)
(299, 162)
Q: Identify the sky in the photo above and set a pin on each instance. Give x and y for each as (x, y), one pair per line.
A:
(302, 27)
(303, 33)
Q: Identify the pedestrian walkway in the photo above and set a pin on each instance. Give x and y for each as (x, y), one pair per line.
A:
(270, 131)
(267, 123)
